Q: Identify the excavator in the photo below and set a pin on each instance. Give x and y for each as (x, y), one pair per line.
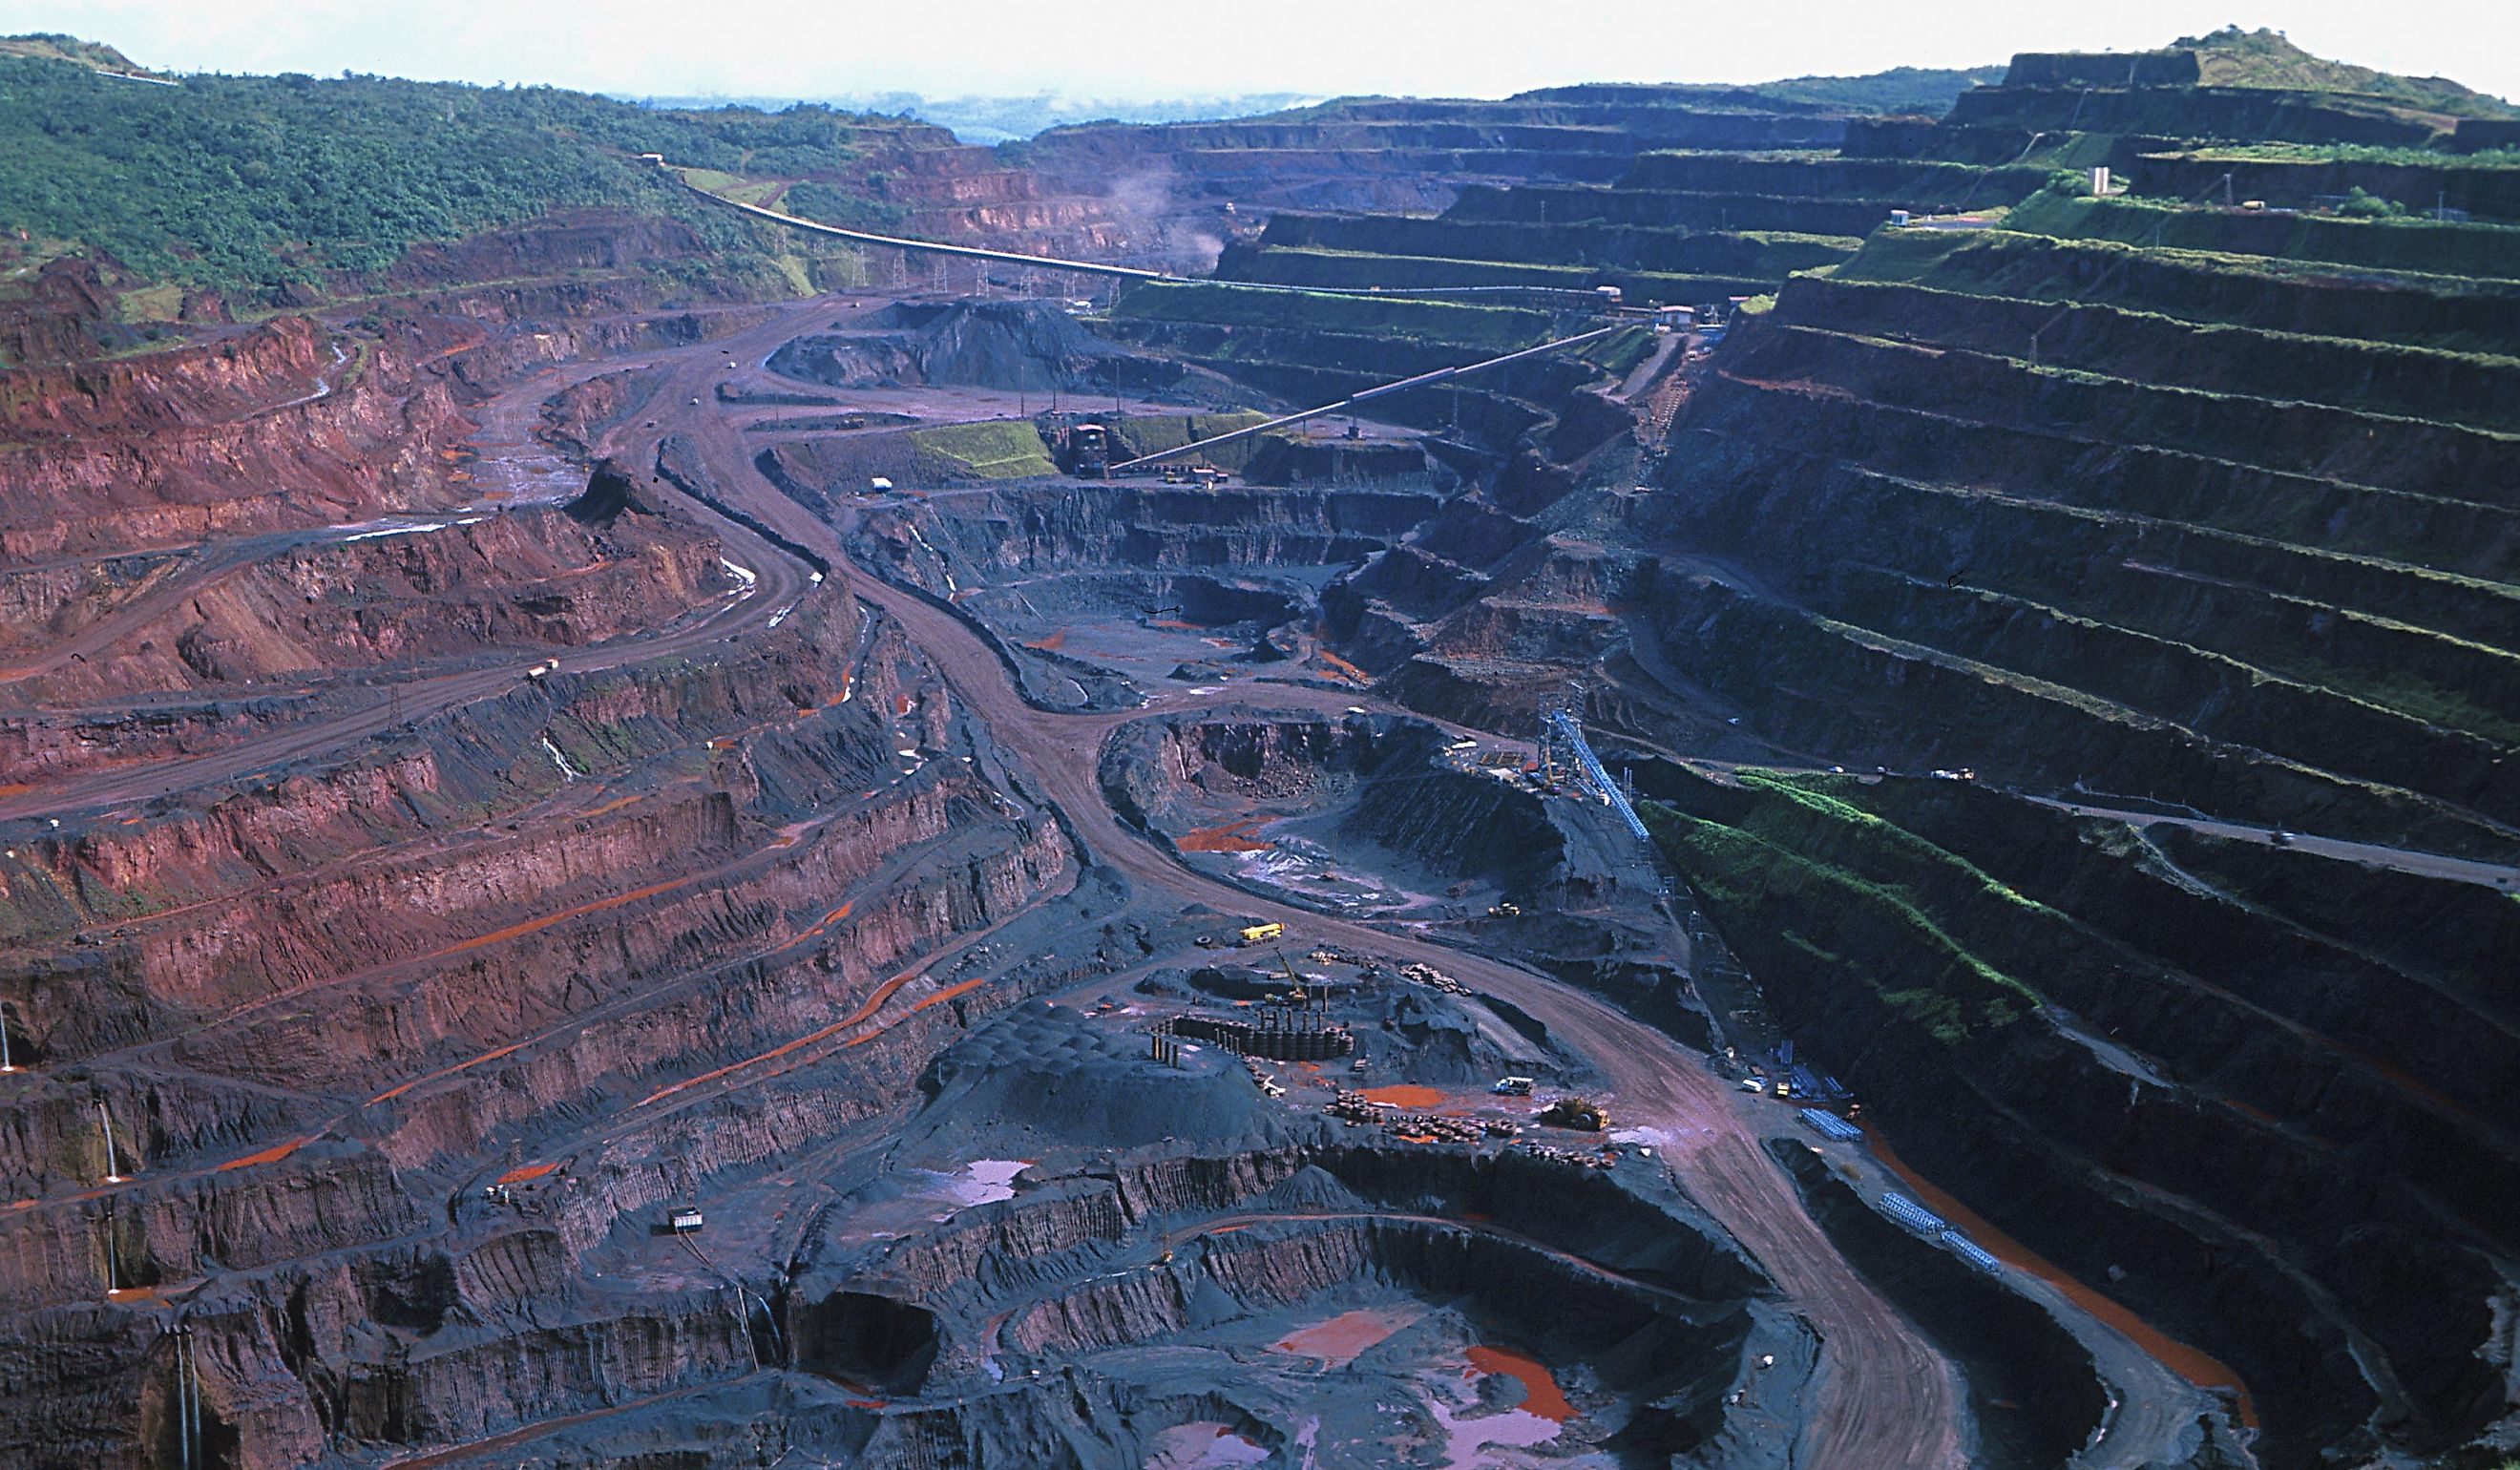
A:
(1298, 997)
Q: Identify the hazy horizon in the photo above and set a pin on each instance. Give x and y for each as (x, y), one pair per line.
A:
(1132, 50)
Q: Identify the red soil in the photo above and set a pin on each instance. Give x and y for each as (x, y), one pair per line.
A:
(1343, 668)
(1231, 837)
(271, 1155)
(1540, 1392)
(1408, 1095)
(950, 992)
(1342, 1339)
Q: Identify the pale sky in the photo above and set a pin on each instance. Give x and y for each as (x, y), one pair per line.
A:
(1145, 49)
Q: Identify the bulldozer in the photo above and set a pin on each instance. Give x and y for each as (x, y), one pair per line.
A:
(1577, 1114)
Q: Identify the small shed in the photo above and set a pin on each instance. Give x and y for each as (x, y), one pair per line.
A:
(684, 1220)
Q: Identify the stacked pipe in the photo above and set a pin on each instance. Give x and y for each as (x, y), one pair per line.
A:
(1282, 1035)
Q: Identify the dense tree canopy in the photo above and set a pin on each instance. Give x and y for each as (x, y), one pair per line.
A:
(248, 182)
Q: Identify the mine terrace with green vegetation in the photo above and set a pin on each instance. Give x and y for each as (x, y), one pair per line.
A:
(1818, 773)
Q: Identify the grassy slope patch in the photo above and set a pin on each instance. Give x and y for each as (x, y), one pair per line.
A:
(2429, 246)
(1850, 896)
(1006, 450)
(1493, 327)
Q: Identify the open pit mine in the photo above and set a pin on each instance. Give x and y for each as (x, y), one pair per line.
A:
(1641, 776)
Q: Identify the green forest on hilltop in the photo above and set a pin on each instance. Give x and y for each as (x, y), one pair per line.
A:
(251, 185)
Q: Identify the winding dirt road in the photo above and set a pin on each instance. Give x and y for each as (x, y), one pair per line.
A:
(1884, 1398)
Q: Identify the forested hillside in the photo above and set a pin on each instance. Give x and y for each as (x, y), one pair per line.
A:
(251, 185)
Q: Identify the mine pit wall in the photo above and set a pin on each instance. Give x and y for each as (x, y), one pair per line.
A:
(1864, 701)
(2080, 552)
(466, 764)
(735, 1131)
(289, 1387)
(2468, 940)
(1015, 1258)
(42, 605)
(2222, 1224)
(357, 451)
(1203, 599)
(581, 244)
(577, 417)
(2197, 1279)
(1632, 1337)
(174, 389)
(720, 924)
(2408, 455)
(1447, 822)
(517, 580)
(166, 857)
(465, 1391)
(67, 744)
(2354, 374)
(2289, 510)
(2453, 315)
(53, 1140)
(319, 1199)
(163, 429)
(2489, 192)
(1055, 527)
(541, 978)
(331, 1197)
(639, 1353)
(1089, 1421)
(1000, 1252)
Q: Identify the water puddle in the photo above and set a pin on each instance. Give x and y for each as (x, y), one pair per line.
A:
(1201, 1445)
(1465, 1439)
(985, 1181)
(909, 1201)
(1543, 1414)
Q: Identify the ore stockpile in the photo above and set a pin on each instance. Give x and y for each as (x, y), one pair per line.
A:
(645, 856)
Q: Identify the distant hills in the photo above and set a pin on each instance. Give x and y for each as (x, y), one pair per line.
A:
(1004, 119)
